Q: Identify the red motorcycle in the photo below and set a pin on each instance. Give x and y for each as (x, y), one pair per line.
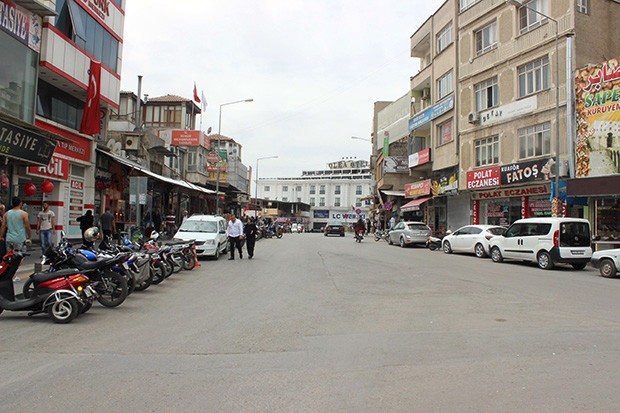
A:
(63, 294)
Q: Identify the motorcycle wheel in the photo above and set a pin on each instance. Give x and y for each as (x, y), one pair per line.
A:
(178, 262)
(432, 246)
(168, 269)
(189, 262)
(131, 282)
(64, 312)
(112, 289)
(279, 235)
(159, 272)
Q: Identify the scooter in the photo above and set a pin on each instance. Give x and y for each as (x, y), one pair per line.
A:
(359, 236)
(433, 243)
(62, 294)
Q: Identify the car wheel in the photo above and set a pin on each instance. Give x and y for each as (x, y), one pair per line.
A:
(544, 260)
(607, 268)
(496, 255)
(217, 252)
(402, 242)
(447, 248)
(479, 250)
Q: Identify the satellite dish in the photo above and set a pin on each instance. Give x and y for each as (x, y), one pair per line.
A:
(116, 149)
(110, 144)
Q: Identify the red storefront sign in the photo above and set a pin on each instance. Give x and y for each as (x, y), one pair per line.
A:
(483, 178)
(188, 138)
(417, 189)
(58, 168)
(77, 148)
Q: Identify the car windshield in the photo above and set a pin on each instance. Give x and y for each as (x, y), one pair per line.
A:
(417, 227)
(199, 226)
(333, 223)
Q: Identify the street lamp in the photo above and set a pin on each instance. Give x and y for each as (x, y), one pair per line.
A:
(256, 174)
(219, 131)
(361, 139)
(556, 209)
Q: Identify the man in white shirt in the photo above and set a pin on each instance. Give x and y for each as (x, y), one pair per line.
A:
(234, 231)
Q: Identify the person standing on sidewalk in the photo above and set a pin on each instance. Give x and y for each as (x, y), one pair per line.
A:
(86, 221)
(46, 221)
(108, 227)
(250, 236)
(15, 223)
(234, 231)
(171, 224)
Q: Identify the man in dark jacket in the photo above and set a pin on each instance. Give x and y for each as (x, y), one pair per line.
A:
(86, 221)
(250, 236)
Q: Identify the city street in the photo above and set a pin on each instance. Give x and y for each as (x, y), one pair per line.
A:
(323, 324)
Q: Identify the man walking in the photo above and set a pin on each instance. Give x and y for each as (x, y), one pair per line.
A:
(15, 222)
(250, 236)
(46, 221)
(108, 226)
(234, 231)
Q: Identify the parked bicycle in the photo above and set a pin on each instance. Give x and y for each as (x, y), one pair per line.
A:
(382, 235)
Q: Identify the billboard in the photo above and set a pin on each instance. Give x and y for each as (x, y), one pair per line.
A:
(597, 103)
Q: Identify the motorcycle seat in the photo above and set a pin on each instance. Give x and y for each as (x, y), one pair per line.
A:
(39, 277)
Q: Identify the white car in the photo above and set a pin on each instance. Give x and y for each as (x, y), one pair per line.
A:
(607, 261)
(471, 239)
(208, 232)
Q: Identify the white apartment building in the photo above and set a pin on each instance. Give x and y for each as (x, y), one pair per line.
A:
(342, 191)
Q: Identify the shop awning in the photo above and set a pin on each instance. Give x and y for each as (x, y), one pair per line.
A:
(394, 193)
(140, 168)
(414, 205)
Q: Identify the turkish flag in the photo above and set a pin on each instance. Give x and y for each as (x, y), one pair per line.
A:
(196, 98)
(91, 123)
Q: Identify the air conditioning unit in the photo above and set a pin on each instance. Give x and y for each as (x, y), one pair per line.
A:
(473, 117)
(132, 143)
(426, 93)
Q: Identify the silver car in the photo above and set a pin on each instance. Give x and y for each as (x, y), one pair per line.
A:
(407, 233)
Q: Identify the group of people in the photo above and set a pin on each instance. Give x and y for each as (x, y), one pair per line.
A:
(237, 232)
(15, 231)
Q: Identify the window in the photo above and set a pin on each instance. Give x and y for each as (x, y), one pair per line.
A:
(445, 84)
(445, 132)
(486, 38)
(358, 190)
(535, 141)
(312, 202)
(18, 78)
(337, 202)
(298, 188)
(284, 199)
(358, 202)
(444, 38)
(534, 77)
(487, 151)
(530, 19)
(285, 188)
(267, 189)
(583, 6)
(467, 3)
(486, 94)
(321, 201)
(337, 190)
(322, 190)
(312, 189)
(59, 106)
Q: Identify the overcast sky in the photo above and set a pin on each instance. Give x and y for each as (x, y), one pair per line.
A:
(314, 69)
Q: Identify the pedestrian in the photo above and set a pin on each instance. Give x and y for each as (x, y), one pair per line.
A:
(171, 223)
(234, 232)
(86, 221)
(46, 221)
(15, 223)
(250, 236)
(108, 224)
(185, 216)
(156, 220)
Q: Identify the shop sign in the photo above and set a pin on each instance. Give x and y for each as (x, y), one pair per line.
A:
(187, 138)
(597, 102)
(483, 178)
(76, 147)
(417, 189)
(348, 216)
(321, 213)
(19, 143)
(58, 168)
(541, 170)
(420, 158)
(431, 113)
(513, 192)
(445, 185)
(509, 111)
(21, 24)
(98, 8)
(395, 164)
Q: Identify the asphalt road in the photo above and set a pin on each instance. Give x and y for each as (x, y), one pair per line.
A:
(316, 324)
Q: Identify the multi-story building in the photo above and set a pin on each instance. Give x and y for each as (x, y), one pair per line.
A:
(342, 191)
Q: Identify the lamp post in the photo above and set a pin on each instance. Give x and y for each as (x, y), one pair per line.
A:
(556, 204)
(219, 131)
(361, 139)
(256, 174)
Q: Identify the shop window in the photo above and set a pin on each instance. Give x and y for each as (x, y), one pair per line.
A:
(534, 76)
(486, 151)
(535, 141)
(486, 38)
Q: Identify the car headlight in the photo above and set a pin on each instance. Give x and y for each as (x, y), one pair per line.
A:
(210, 242)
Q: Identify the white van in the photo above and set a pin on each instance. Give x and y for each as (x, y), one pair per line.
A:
(546, 241)
(209, 232)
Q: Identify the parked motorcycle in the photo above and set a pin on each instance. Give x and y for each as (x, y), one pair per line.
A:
(433, 243)
(62, 295)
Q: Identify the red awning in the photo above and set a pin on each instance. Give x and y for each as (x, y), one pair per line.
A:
(414, 205)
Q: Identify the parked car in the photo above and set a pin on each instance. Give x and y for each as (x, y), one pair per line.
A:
(295, 228)
(471, 239)
(607, 261)
(334, 227)
(209, 232)
(547, 241)
(406, 233)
